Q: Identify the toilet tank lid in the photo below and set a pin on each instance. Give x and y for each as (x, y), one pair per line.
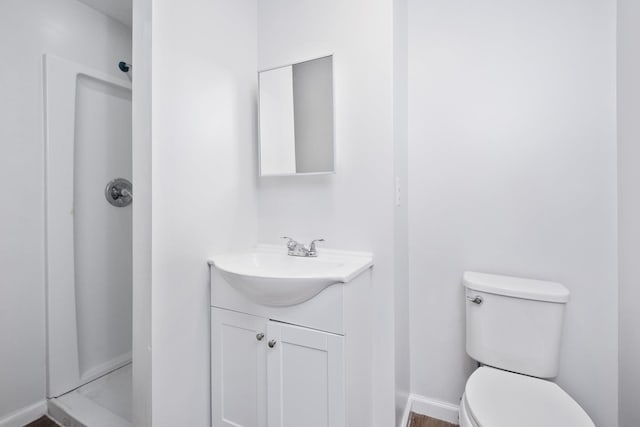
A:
(538, 290)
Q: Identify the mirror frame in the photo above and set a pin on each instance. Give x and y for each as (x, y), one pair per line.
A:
(333, 113)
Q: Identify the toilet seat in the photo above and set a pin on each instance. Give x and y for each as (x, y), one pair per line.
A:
(496, 398)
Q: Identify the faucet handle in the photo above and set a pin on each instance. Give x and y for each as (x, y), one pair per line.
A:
(291, 244)
(312, 247)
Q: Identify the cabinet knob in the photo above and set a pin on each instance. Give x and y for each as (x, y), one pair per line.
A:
(272, 343)
(260, 336)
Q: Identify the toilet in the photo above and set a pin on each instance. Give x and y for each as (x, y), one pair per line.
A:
(514, 331)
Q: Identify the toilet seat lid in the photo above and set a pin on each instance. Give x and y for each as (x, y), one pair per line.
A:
(497, 398)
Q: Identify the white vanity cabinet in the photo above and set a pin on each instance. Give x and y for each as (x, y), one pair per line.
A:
(269, 373)
(313, 367)
(305, 377)
(238, 369)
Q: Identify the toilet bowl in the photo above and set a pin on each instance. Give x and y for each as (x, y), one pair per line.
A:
(514, 329)
(496, 398)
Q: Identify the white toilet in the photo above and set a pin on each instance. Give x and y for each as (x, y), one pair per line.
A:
(514, 329)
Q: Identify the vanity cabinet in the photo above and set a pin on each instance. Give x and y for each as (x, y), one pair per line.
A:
(267, 373)
(238, 369)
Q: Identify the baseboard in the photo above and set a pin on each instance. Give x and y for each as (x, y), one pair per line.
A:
(406, 413)
(25, 415)
(433, 408)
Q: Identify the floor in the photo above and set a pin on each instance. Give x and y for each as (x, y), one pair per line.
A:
(417, 420)
(43, 422)
(112, 391)
(104, 402)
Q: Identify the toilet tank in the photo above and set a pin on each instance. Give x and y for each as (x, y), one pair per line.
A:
(515, 324)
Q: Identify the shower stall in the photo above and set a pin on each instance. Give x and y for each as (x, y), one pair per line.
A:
(88, 243)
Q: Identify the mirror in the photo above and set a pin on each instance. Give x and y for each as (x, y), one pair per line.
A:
(296, 119)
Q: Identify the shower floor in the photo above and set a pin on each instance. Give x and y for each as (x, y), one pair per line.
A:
(104, 402)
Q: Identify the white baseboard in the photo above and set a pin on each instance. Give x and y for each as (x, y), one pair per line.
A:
(406, 414)
(25, 415)
(433, 408)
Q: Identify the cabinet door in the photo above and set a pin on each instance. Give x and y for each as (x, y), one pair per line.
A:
(305, 377)
(238, 369)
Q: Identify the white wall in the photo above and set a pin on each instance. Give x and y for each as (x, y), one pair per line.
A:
(99, 151)
(401, 224)
(203, 177)
(141, 213)
(29, 29)
(629, 207)
(512, 169)
(352, 209)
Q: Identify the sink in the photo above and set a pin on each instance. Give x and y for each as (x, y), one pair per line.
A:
(268, 276)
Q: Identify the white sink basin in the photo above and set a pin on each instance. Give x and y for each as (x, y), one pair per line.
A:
(268, 276)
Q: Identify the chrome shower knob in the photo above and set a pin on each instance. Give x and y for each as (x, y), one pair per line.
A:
(118, 192)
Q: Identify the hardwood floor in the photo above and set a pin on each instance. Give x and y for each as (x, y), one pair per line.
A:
(414, 421)
(43, 421)
(423, 421)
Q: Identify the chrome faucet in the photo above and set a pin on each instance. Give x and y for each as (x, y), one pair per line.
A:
(298, 249)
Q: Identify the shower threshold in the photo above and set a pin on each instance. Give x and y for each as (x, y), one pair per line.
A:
(103, 402)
